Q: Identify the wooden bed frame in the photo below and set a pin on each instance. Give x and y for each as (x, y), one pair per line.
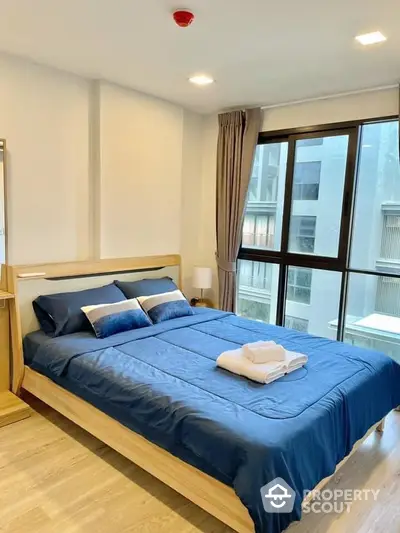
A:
(211, 495)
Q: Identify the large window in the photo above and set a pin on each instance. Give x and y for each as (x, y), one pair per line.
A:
(321, 238)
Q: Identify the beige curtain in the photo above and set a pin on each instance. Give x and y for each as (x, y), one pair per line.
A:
(237, 141)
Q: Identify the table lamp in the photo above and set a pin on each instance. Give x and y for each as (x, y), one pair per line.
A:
(202, 279)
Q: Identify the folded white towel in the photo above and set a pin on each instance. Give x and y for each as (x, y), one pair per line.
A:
(293, 368)
(236, 362)
(295, 360)
(264, 352)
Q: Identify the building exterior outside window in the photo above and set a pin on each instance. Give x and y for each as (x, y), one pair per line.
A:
(299, 285)
(302, 234)
(307, 175)
(293, 322)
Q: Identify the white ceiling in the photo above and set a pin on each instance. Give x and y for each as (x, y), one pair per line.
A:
(259, 51)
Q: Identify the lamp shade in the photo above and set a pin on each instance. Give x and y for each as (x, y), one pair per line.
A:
(202, 278)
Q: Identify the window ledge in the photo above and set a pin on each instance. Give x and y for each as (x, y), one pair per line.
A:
(260, 207)
(389, 266)
(392, 208)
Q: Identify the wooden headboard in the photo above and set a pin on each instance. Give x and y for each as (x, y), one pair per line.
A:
(29, 281)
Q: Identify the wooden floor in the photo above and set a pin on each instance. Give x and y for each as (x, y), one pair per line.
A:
(55, 478)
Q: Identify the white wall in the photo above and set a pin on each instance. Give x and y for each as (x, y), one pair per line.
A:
(44, 119)
(191, 216)
(353, 107)
(141, 173)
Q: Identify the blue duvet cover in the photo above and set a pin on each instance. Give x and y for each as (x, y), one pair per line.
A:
(162, 382)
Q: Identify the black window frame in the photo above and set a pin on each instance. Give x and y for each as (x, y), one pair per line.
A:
(340, 264)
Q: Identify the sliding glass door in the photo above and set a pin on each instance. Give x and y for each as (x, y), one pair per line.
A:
(321, 234)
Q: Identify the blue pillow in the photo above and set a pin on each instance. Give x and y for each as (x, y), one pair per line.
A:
(161, 307)
(61, 314)
(146, 287)
(110, 319)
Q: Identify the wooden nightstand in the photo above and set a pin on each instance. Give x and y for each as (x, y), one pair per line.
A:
(5, 354)
(4, 295)
(196, 302)
(12, 408)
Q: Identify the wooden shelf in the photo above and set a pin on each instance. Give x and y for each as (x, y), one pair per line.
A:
(12, 409)
(4, 295)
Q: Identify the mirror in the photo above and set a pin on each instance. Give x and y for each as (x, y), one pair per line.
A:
(3, 255)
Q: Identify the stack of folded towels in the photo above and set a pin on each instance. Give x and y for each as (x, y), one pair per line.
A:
(262, 361)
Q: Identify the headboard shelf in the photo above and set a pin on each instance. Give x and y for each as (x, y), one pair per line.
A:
(32, 275)
(92, 268)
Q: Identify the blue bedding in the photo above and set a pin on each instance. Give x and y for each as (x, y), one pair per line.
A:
(162, 382)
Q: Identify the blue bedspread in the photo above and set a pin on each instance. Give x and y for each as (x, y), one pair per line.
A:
(162, 382)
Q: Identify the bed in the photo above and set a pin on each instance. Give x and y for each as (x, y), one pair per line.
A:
(157, 397)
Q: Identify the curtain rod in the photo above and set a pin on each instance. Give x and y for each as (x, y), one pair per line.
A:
(330, 96)
(315, 99)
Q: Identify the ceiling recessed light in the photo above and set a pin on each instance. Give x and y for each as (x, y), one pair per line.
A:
(371, 38)
(201, 80)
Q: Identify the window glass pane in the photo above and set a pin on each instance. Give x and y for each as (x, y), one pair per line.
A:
(262, 226)
(373, 313)
(257, 290)
(376, 224)
(312, 301)
(317, 196)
